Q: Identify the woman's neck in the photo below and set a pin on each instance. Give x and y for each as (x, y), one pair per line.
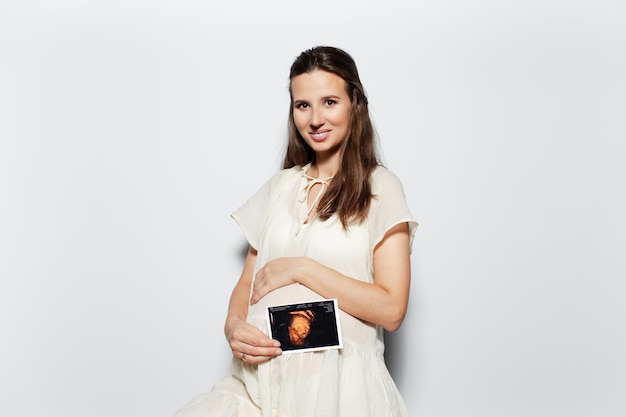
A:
(324, 167)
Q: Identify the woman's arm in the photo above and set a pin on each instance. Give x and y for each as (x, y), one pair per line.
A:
(383, 303)
(243, 337)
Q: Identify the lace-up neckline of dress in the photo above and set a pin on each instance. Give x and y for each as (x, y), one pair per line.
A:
(304, 196)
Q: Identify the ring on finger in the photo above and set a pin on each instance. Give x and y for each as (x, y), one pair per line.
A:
(243, 357)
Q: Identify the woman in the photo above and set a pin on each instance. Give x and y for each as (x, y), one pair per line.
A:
(333, 224)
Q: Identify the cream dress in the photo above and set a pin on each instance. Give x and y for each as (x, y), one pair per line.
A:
(350, 382)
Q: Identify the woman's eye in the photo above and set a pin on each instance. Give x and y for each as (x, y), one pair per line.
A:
(330, 102)
(301, 106)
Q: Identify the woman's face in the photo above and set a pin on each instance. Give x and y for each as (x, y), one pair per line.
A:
(321, 111)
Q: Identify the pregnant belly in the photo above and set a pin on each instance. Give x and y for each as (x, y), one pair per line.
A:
(353, 329)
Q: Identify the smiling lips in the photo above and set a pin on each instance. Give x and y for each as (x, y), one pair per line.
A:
(319, 135)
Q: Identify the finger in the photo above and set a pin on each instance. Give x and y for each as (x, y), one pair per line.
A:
(262, 346)
(259, 291)
(249, 350)
(255, 358)
(255, 340)
(249, 334)
(256, 295)
(260, 358)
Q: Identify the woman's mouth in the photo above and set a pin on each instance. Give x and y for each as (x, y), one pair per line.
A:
(319, 135)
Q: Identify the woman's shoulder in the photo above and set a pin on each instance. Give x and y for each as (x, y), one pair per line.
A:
(294, 171)
(383, 179)
(285, 175)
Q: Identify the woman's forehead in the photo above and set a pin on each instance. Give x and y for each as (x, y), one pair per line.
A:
(317, 84)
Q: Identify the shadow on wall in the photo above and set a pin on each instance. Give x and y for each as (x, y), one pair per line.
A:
(242, 253)
(395, 353)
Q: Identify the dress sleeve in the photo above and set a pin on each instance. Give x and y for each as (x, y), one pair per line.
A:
(252, 215)
(389, 207)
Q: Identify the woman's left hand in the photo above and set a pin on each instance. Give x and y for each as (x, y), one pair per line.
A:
(275, 274)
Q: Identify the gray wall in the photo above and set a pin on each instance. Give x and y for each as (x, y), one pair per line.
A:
(129, 130)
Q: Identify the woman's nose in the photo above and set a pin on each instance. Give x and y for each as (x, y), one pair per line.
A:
(317, 118)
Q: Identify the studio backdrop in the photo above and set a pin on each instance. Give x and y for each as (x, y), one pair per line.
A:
(130, 130)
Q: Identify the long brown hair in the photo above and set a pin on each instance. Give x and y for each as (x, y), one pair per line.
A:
(350, 192)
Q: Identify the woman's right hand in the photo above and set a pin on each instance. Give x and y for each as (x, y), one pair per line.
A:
(250, 344)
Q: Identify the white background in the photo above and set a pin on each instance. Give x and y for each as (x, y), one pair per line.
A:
(130, 130)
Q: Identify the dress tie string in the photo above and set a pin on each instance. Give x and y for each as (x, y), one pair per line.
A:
(307, 189)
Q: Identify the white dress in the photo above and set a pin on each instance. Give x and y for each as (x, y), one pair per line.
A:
(348, 382)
